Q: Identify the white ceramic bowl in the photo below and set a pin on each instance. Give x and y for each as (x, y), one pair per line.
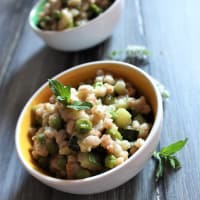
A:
(83, 37)
(118, 175)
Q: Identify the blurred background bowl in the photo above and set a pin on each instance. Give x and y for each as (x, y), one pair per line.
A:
(82, 37)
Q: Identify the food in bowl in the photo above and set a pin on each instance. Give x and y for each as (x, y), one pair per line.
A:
(58, 15)
(84, 131)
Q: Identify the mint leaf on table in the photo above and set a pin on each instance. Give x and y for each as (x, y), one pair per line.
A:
(173, 148)
(166, 156)
(63, 95)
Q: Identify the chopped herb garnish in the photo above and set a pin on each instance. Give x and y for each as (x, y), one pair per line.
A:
(63, 95)
(78, 105)
(62, 92)
(166, 156)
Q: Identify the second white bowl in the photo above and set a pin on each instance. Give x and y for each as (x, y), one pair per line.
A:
(83, 37)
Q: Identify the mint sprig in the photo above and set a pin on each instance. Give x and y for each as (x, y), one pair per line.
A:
(166, 156)
(62, 92)
(63, 95)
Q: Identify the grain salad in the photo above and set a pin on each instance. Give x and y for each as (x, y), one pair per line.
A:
(90, 129)
(64, 14)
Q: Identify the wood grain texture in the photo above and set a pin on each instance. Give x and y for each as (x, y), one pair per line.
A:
(170, 30)
(172, 34)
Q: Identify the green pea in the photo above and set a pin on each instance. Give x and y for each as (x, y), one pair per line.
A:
(114, 133)
(41, 138)
(83, 126)
(83, 173)
(52, 147)
(110, 161)
(55, 122)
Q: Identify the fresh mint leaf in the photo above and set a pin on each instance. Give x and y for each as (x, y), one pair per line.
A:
(63, 95)
(173, 148)
(78, 105)
(62, 92)
(166, 156)
(174, 162)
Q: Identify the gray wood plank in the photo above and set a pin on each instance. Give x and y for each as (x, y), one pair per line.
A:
(13, 15)
(172, 34)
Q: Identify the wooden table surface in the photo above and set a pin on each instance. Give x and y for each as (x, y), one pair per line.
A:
(170, 30)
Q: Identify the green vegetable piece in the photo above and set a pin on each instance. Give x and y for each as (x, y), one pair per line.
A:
(73, 145)
(123, 118)
(78, 105)
(139, 118)
(83, 126)
(43, 162)
(57, 15)
(90, 161)
(121, 103)
(41, 138)
(61, 162)
(120, 87)
(110, 161)
(56, 122)
(173, 148)
(129, 134)
(83, 173)
(62, 92)
(52, 147)
(96, 9)
(108, 100)
(47, 19)
(114, 133)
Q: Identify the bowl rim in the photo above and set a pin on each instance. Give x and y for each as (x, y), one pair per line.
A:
(138, 153)
(90, 22)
